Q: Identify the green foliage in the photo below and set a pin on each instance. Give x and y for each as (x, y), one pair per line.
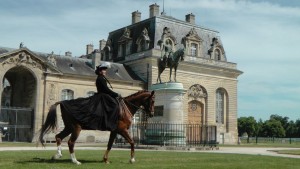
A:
(246, 125)
(273, 128)
(276, 126)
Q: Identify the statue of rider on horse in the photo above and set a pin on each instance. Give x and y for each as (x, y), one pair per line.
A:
(169, 59)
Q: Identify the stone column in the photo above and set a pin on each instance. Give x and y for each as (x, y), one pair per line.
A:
(167, 125)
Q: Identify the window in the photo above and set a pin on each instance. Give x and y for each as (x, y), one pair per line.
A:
(123, 49)
(217, 54)
(67, 94)
(193, 50)
(90, 93)
(158, 111)
(220, 95)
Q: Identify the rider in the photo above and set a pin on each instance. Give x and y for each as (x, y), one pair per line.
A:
(109, 97)
(167, 51)
(97, 112)
(101, 82)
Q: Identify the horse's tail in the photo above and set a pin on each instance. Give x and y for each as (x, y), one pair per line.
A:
(50, 122)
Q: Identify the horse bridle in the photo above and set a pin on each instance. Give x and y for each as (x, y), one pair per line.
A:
(139, 108)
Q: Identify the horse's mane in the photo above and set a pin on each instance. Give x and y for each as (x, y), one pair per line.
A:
(137, 93)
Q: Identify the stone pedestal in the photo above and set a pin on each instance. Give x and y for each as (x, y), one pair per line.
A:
(166, 127)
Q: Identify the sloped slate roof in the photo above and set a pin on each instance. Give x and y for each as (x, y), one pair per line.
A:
(155, 26)
(80, 66)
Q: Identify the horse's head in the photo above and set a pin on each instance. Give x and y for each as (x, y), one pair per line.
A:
(148, 103)
(144, 99)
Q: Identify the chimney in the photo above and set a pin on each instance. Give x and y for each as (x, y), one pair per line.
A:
(154, 10)
(190, 18)
(96, 58)
(89, 48)
(102, 44)
(136, 17)
(68, 53)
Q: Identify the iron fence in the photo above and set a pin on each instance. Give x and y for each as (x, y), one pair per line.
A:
(16, 124)
(170, 134)
(269, 140)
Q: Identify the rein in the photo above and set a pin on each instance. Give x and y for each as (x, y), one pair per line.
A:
(138, 108)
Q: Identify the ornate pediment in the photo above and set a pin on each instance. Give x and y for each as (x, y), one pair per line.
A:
(143, 37)
(192, 35)
(216, 50)
(24, 57)
(125, 36)
(167, 35)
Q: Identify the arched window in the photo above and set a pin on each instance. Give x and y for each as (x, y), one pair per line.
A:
(90, 93)
(67, 94)
(217, 54)
(220, 106)
(193, 49)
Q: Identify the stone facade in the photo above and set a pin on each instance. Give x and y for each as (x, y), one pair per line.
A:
(205, 68)
(38, 81)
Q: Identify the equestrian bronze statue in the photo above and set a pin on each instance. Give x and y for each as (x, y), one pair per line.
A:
(171, 61)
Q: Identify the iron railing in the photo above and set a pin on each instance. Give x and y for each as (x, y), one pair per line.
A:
(16, 124)
(170, 134)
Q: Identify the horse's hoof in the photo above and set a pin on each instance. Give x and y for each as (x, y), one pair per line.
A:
(56, 156)
(132, 160)
(76, 162)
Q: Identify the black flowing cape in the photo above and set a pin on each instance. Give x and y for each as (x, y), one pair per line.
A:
(98, 112)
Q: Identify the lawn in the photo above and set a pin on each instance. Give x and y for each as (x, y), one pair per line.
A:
(91, 159)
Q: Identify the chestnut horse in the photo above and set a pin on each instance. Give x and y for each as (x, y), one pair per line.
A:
(129, 106)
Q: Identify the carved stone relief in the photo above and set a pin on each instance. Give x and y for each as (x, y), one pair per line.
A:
(51, 94)
(196, 92)
(51, 59)
(22, 58)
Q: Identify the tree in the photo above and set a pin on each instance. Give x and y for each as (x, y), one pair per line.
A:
(273, 128)
(297, 123)
(246, 125)
(283, 120)
(291, 130)
(259, 127)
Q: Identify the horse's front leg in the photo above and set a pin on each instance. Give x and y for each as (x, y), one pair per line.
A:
(112, 137)
(126, 135)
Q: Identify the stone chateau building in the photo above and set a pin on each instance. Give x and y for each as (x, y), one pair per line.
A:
(33, 81)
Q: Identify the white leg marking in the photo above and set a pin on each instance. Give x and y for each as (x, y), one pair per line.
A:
(58, 154)
(132, 160)
(74, 160)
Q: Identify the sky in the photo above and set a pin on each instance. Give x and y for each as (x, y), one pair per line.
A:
(261, 36)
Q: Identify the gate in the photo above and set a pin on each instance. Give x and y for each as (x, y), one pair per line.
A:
(16, 124)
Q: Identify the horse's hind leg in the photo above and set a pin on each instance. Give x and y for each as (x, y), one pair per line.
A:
(59, 137)
(112, 137)
(71, 143)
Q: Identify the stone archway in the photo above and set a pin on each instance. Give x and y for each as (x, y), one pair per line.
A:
(19, 90)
